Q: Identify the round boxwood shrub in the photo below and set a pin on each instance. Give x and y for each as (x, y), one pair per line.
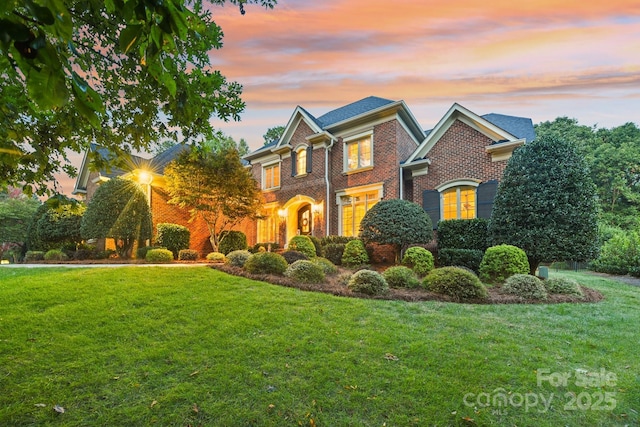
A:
(455, 282)
(562, 285)
(174, 237)
(158, 256)
(266, 263)
(302, 244)
(334, 251)
(305, 271)
(525, 286)
(355, 254)
(141, 252)
(55, 255)
(216, 257)
(327, 266)
(419, 260)
(368, 282)
(502, 261)
(232, 241)
(293, 256)
(401, 277)
(188, 255)
(237, 258)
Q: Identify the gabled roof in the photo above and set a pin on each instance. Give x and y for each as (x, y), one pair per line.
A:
(352, 110)
(160, 161)
(520, 127)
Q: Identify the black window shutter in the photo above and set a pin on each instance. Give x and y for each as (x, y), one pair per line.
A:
(309, 158)
(485, 194)
(431, 205)
(294, 164)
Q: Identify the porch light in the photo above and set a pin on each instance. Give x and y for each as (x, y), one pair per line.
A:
(316, 208)
(144, 177)
(282, 213)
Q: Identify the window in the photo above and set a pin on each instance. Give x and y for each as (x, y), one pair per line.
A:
(267, 227)
(358, 153)
(271, 177)
(459, 203)
(352, 209)
(301, 161)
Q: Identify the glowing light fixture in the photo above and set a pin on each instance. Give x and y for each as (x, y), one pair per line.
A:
(282, 213)
(144, 177)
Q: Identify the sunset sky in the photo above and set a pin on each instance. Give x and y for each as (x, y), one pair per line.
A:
(539, 59)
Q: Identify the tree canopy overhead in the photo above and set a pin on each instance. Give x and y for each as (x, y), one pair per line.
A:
(120, 73)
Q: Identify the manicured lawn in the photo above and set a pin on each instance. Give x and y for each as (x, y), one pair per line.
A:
(194, 346)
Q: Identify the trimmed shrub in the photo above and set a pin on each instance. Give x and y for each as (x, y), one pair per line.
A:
(302, 244)
(562, 285)
(619, 254)
(232, 241)
(159, 256)
(455, 282)
(463, 234)
(268, 246)
(141, 253)
(106, 254)
(31, 256)
(500, 262)
(188, 255)
(419, 260)
(305, 271)
(55, 255)
(525, 286)
(355, 254)
(174, 237)
(470, 258)
(333, 239)
(84, 252)
(334, 251)
(216, 257)
(317, 245)
(368, 282)
(266, 263)
(237, 258)
(327, 266)
(401, 277)
(293, 256)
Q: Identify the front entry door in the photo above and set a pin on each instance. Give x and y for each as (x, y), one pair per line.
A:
(304, 220)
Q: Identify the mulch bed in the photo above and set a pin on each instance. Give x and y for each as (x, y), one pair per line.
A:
(334, 286)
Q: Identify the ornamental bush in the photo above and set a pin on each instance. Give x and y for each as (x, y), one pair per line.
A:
(232, 241)
(237, 258)
(317, 244)
(174, 237)
(188, 255)
(305, 271)
(31, 256)
(419, 260)
(455, 282)
(302, 244)
(55, 255)
(355, 254)
(159, 256)
(216, 257)
(267, 246)
(141, 253)
(502, 261)
(469, 258)
(401, 277)
(266, 263)
(333, 252)
(293, 256)
(562, 285)
(525, 286)
(368, 282)
(463, 234)
(619, 254)
(327, 266)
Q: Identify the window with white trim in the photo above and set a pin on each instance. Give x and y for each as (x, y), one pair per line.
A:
(358, 154)
(271, 177)
(459, 203)
(268, 227)
(352, 210)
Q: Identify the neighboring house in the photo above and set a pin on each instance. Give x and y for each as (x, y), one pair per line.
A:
(326, 172)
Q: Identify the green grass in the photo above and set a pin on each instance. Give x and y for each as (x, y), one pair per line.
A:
(193, 346)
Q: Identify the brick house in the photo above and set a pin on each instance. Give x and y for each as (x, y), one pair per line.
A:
(325, 172)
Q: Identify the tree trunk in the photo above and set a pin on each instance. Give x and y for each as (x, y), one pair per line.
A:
(533, 265)
(214, 243)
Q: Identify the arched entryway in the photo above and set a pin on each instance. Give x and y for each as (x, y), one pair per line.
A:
(304, 220)
(298, 216)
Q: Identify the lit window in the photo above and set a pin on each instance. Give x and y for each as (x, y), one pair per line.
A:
(301, 161)
(267, 227)
(459, 203)
(353, 208)
(271, 177)
(358, 154)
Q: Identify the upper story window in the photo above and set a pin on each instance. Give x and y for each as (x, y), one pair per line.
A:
(271, 177)
(301, 161)
(358, 154)
(459, 203)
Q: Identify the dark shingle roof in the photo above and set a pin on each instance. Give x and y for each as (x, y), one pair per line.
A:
(160, 161)
(352, 110)
(520, 127)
